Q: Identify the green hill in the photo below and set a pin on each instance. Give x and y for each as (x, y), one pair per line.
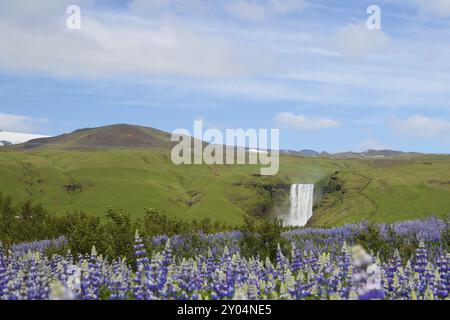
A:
(387, 190)
(134, 179)
(92, 169)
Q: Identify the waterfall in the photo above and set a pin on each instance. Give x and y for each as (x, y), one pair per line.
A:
(301, 205)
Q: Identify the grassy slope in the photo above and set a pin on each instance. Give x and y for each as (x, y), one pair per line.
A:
(133, 179)
(386, 190)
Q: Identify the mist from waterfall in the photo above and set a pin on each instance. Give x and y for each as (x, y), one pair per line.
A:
(302, 196)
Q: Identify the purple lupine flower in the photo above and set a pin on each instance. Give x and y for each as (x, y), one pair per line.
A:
(366, 275)
(319, 267)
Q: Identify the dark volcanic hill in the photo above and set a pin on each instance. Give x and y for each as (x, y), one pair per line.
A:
(113, 136)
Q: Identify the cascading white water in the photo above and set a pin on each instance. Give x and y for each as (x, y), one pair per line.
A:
(301, 205)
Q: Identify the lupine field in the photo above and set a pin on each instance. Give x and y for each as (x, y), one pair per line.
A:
(322, 264)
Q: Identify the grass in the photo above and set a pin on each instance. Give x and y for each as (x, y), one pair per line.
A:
(388, 190)
(134, 179)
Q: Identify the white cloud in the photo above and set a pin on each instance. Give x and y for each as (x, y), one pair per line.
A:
(436, 7)
(252, 10)
(132, 45)
(290, 120)
(146, 7)
(20, 123)
(116, 44)
(40, 15)
(423, 127)
(371, 144)
(247, 10)
(288, 6)
(355, 40)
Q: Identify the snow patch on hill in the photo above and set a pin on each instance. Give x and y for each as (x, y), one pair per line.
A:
(16, 138)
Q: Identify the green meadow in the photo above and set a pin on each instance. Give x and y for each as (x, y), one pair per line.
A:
(378, 189)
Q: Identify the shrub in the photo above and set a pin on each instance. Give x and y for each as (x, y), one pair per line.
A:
(84, 231)
(25, 222)
(262, 238)
(119, 231)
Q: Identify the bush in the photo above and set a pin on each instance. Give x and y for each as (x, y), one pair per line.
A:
(26, 222)
(7, 219)
(119, 231)
(83, 231)
(262, 238)
(446, 235)
(156, 223)
(372, 240)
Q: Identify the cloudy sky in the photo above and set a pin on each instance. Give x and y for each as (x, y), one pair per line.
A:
(311, 68)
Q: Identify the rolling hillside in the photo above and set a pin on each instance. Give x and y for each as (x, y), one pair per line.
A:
(387, 190)
(129, 167)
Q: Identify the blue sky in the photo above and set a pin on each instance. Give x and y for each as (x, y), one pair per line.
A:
(311, 68)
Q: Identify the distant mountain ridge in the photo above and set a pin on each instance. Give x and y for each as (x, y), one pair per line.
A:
(349, 154)
(374, 153)
(305, 152)
(135, 136)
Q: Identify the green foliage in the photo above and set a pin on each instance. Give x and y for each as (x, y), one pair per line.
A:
(156, 223)
(25, 222)
(113, 235)
(83, 231)
(7, 216)
(104, 293)
(58, 250)
(372, 240)
(446, 235)
(119, 234)
(262, 238)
